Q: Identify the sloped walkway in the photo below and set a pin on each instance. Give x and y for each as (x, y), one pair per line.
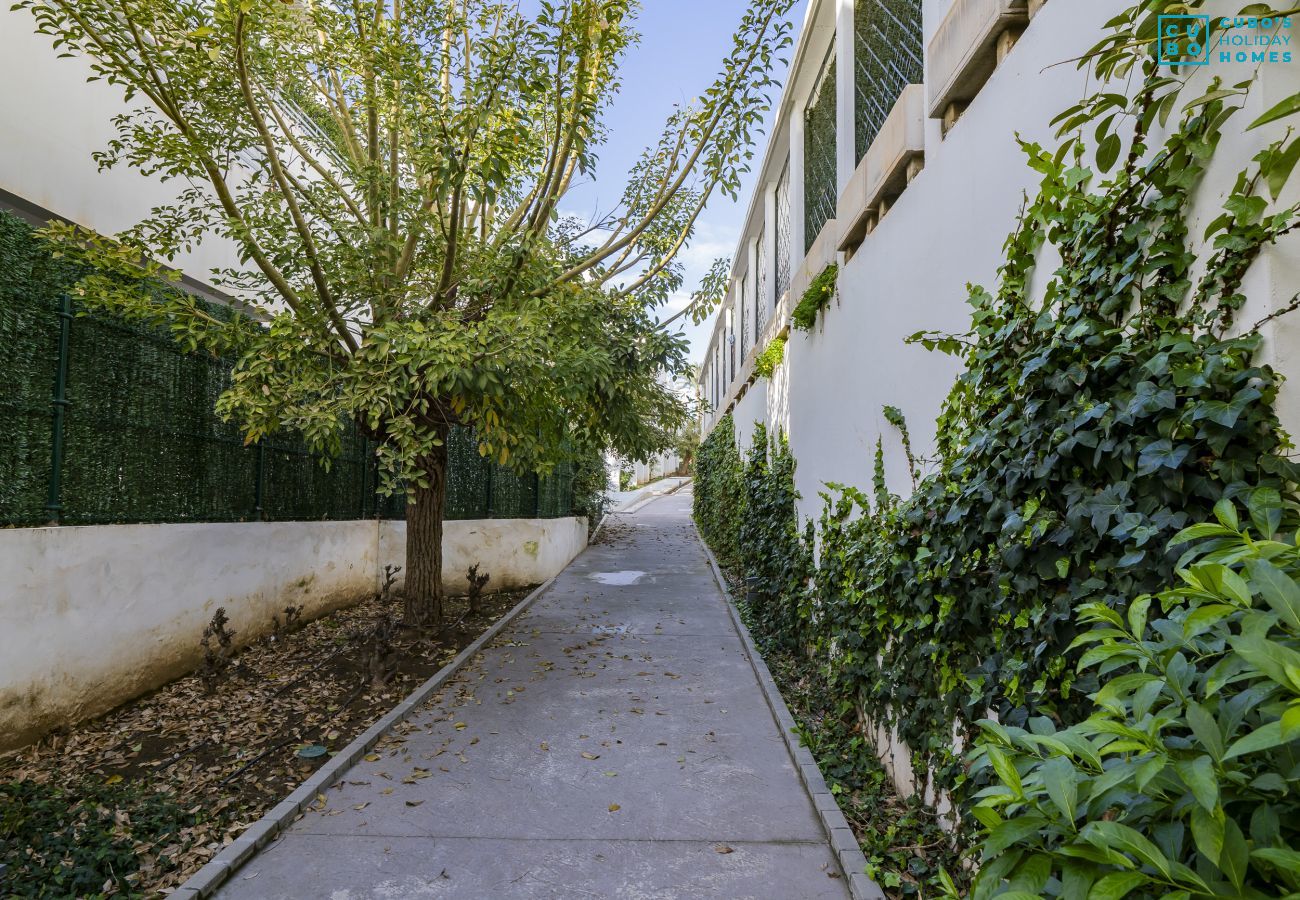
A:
(612, 742)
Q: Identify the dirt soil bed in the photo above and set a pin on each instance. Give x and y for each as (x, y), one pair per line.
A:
(133, 803)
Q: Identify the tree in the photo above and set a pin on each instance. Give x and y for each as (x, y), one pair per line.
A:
(393, 171)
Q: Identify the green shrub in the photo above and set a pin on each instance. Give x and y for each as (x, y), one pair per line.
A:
(815, 299)
(1185, 780)
(770, 548)
(771, 357)
(719, 503)
(84, 840)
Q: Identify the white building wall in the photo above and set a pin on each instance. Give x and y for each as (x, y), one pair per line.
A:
(53, 120)
(751, 411)
(946, 230)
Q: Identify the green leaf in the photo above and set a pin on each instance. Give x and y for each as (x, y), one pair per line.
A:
(1062, 784)
(1235, 856)
(1108, 152)
(1265, 507)
(1116, 885)
(1005, 770)
(1287, 860)
(1198, 775)
(1206, 729)
(1226, 513)
(1286, 107)
(1279, 591)
(1207, 833)
(1117, 836)
(1262, 738)
(1010, 832)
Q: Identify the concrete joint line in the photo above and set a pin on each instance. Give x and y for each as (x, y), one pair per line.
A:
(843, 844)
(207, 879)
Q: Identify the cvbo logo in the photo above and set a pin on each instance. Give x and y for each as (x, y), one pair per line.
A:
(1184, 40)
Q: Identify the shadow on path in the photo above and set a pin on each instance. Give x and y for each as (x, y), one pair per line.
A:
(612, 742)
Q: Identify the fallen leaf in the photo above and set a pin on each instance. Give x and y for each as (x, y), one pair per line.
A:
(414, 802)
(614, 807)
(723, 848)
(586, 755)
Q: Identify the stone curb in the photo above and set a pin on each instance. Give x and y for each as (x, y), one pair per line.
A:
(843, 844)
(207, 879)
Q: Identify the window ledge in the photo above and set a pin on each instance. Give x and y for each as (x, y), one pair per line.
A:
(882, 174)
(963, 52)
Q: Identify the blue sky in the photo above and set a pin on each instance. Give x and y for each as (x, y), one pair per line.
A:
(683, 43)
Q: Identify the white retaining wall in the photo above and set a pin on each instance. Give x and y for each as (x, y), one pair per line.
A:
(93, 616)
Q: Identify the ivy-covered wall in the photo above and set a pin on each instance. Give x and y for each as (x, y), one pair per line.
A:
(1109, 411)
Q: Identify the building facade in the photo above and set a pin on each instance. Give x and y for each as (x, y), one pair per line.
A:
(894, 156)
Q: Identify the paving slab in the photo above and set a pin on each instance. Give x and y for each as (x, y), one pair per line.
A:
(613, 741)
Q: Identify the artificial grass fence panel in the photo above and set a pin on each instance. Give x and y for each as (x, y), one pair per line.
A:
(141, 442)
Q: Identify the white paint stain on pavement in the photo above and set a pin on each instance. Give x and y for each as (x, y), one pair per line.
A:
(618, 579)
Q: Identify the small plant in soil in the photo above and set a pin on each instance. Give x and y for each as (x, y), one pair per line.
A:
(376, 651)
(218, 647)
(88, 838)
(292, 620)
(476, 584)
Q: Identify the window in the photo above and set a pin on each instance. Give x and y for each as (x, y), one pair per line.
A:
(784, 263)
(819, 163)
(887, 57)
(760, 288)
(745, 316)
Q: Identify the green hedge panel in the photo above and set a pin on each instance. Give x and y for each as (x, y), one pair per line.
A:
(142, 442)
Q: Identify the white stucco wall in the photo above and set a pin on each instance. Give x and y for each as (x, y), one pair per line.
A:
(515, 552)
(93, 616)
(53, 121)
(947, 230)
(750, 412)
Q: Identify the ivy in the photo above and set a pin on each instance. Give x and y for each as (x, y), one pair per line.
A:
(1182, 782)
(774, 555)
(86, 839)
(771, 357)
(719, 500)
(1092, 422)
(815, 299)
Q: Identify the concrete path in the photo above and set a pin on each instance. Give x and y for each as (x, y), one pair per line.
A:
(626, 501)
(612, 742)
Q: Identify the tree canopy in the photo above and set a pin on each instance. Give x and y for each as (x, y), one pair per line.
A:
(392, 172)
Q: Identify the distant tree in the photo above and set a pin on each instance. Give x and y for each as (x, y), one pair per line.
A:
(393, 171)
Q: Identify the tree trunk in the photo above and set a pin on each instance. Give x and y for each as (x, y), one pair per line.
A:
(424, 512)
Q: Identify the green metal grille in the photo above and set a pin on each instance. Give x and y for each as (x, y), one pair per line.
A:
(761, 300)
(819, 158)
(887, 58)
(141, 442)
(784, 239)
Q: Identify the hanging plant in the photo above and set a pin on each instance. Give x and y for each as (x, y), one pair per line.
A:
(771, 357)
(815, 299)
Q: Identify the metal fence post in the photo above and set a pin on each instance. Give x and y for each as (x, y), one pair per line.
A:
(537, 496)
(259, 491)
(491, 474)
(53, 502)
